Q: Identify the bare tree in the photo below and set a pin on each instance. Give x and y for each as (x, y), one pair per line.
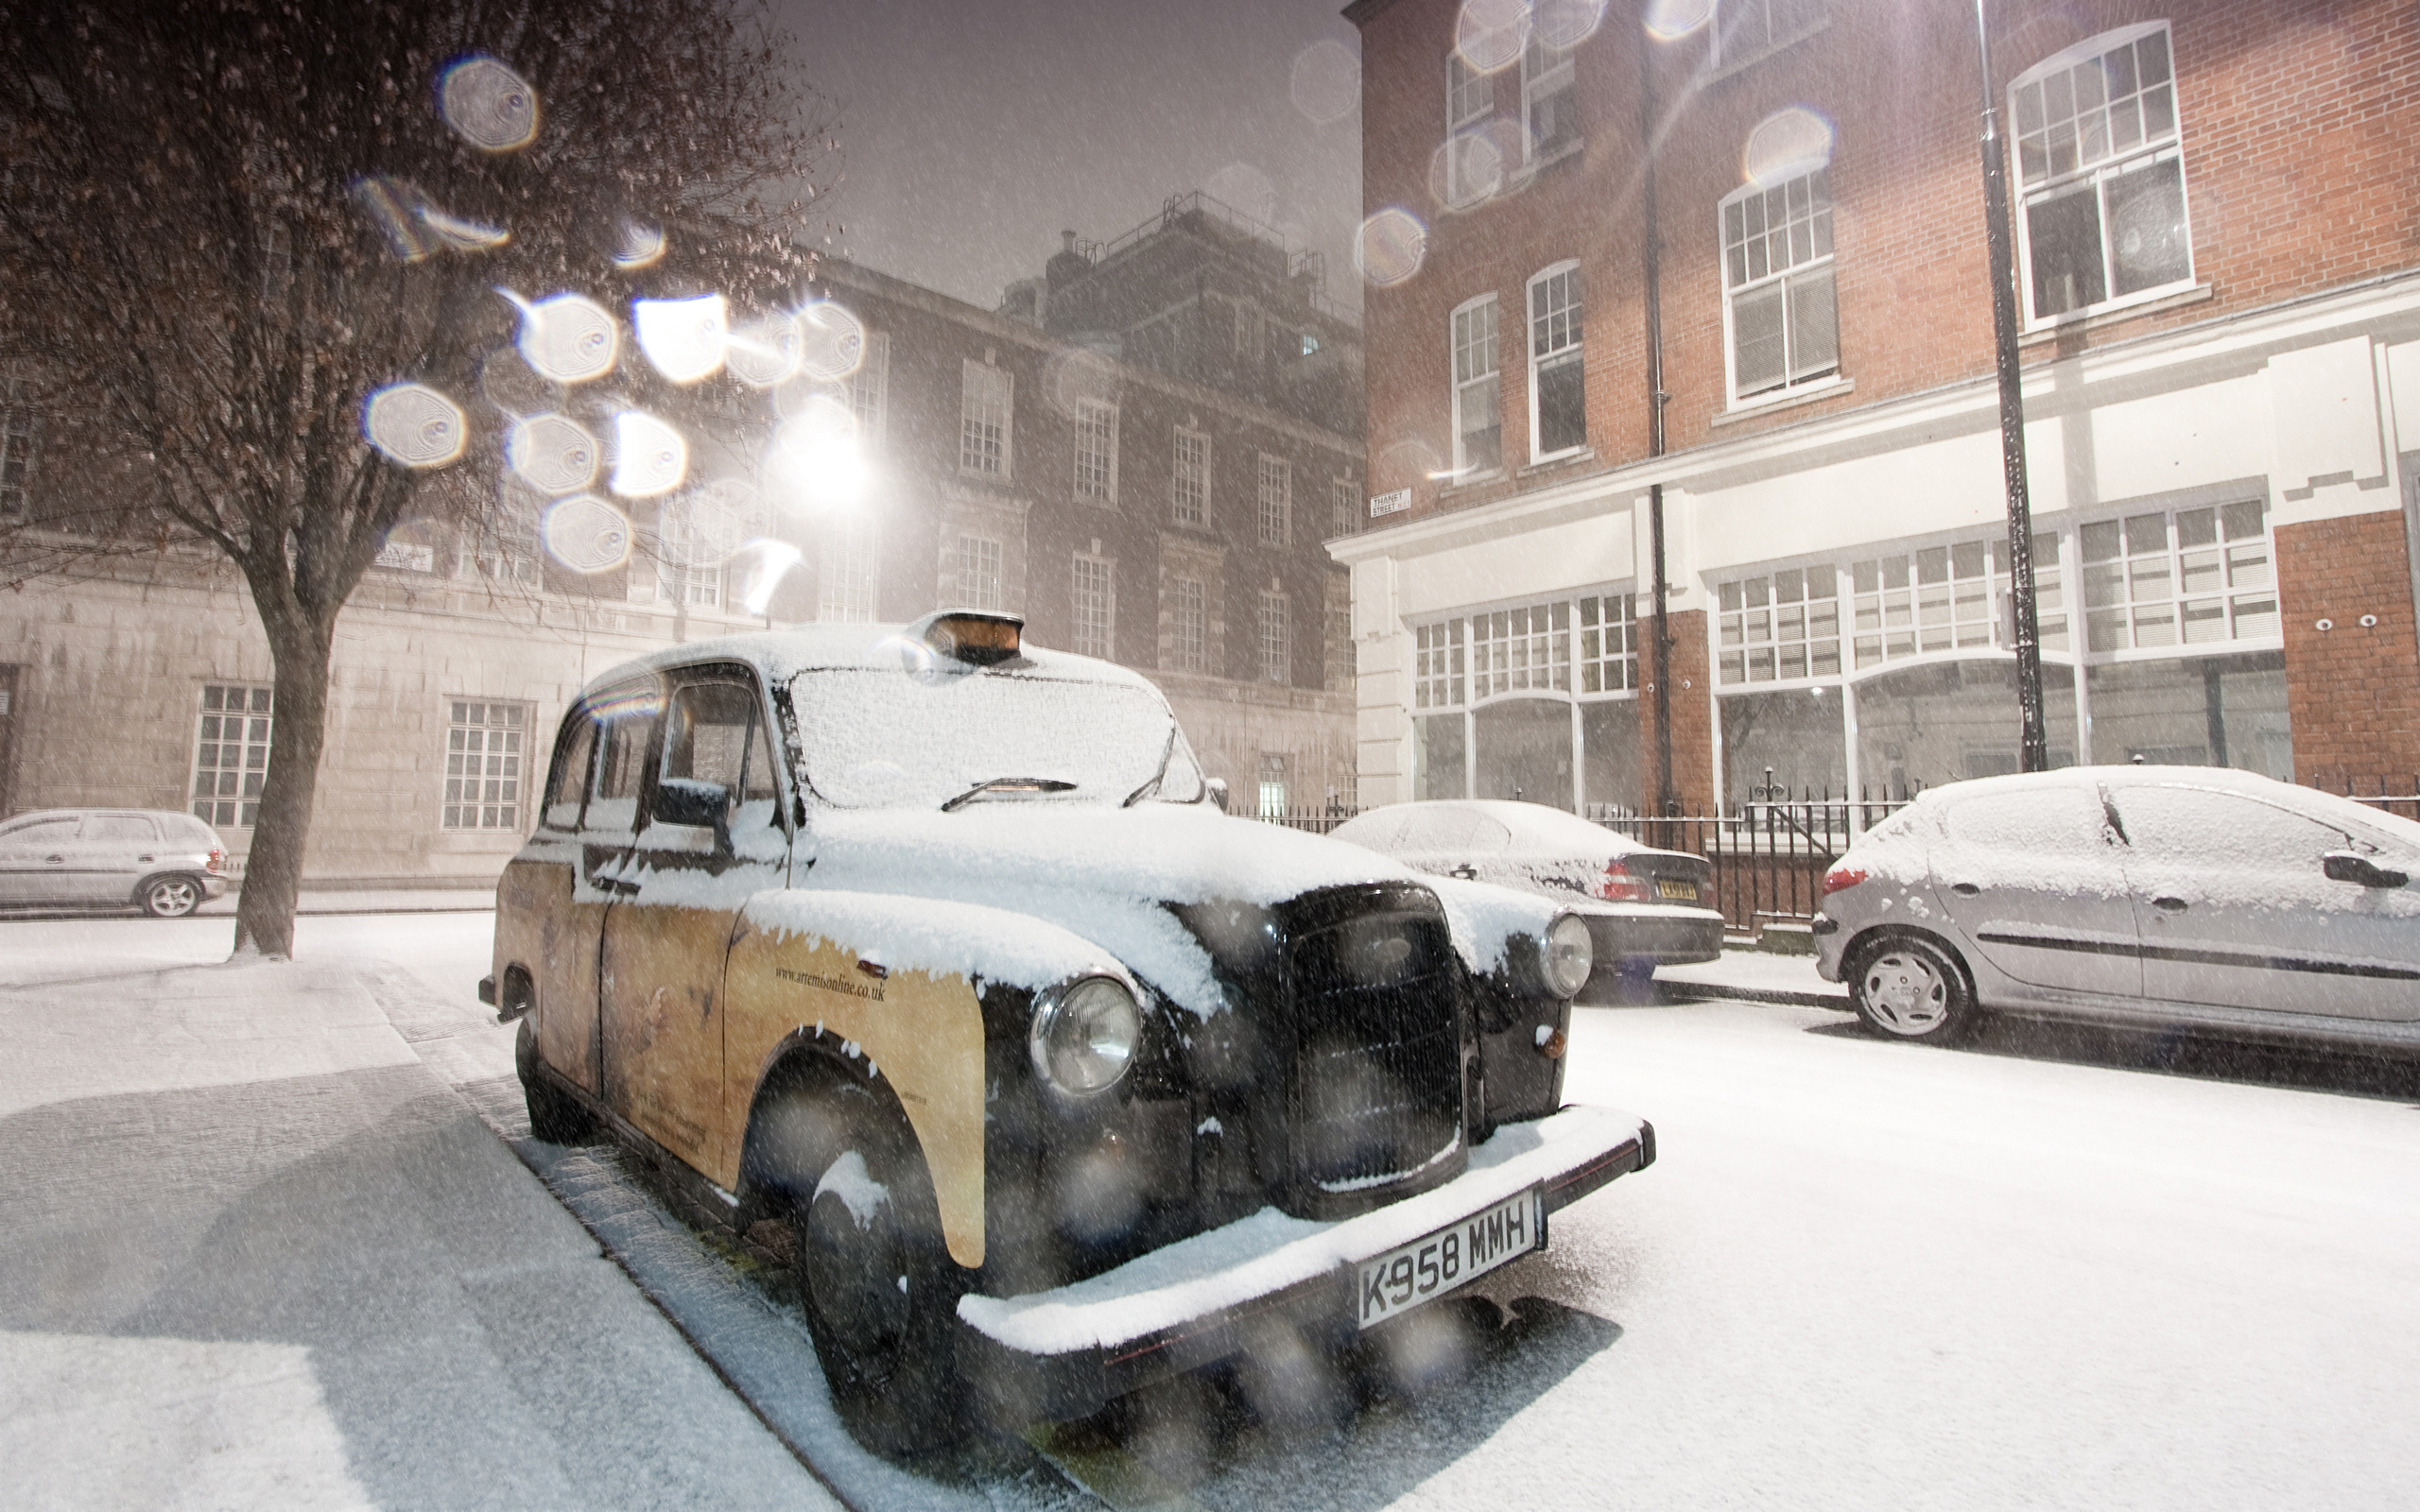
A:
(227, 223)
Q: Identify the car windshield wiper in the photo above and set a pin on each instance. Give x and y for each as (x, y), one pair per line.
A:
(1008, 784)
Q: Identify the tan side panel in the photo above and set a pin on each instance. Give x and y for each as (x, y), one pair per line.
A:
(664, 1027)
(539, 925)
(923, 1033)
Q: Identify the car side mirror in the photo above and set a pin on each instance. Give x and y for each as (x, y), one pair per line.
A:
(689, 801)
(2347, 865)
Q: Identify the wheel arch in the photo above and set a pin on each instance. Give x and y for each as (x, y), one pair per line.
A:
(150, 879)
(1877, 938)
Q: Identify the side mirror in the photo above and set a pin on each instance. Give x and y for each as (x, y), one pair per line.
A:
(2347, 865)
(689, 801)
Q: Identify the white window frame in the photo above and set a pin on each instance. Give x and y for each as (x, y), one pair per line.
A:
(1441, 666)
(1096, 451)
(1609, 632)
(1569, 348)
(2039, 179)
(1092, 607)
(848, 571)
(18, 427)
(1189, 484)
(1741, 278)
(1524, 648)
(2226, 583)
(1343, 506)
(981, 571)
(494, 555)
(1464, 378)
(232, 777)
(1470, 103)
(693, 587)
(986, 404)
(1276, 641)
(1545, 73)
(1275, 514)
(1189, 623)
(867, 393)
(1756, 32)
(486, 763)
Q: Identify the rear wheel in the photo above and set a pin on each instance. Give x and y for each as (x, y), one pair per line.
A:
(170, 897)
(1911, 989)
(555, 1115)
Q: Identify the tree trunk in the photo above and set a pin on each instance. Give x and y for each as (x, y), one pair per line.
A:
(273, 872)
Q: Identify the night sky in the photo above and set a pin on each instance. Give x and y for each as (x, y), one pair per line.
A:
(972, 130)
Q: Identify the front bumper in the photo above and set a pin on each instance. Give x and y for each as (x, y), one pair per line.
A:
(1062, 1353)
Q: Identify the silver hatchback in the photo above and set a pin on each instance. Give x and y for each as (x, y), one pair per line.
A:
(164, 863)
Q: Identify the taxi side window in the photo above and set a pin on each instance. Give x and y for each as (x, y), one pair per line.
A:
(627, 728)
(568, 784)
(715, 734)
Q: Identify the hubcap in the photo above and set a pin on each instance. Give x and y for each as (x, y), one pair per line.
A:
(173, 898)
(1905, 994)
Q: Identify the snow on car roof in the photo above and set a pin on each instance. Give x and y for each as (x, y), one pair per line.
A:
(1530, 824)
(2209, 778)
(781, 654)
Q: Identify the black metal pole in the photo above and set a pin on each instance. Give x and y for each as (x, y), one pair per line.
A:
(2034, 752)
(1668, 801)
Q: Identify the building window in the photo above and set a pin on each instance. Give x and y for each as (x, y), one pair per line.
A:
(1343, 506)
(1276, 499)
(1514, 649)
(231, 755)
(851, 557)
(1276, 638)
(1096, 451)
(1188, 625)
(1439, 665)
(2190, 579)
(483, 765)
(1609, 642)
(505, 552)
(1473, 164)
(867, 391)
(1784, 626)
(2101, 175)
(1777, 285)
(1558, 385)
(1248, 339)
(1547, 101)
(1478, 411)
(978, 572)
(1189, 484)
(16, 447)
(1947, 597)
(698, 587)
(983, 410)
(1095, 607)
(1272, 785)
(1745, 30)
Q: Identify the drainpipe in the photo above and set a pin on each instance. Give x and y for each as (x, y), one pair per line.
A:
(1668, 801)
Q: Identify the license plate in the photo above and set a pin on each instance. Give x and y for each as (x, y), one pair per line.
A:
(1429, 1267)
(1685, 891)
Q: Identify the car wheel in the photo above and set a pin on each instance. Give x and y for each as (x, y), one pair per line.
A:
(1912, 988)
(555, 1115)
(881, 1291)
(170, 897)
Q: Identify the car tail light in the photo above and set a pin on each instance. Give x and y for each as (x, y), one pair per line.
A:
(217, 860)
(1619, 887)
(1839, 877)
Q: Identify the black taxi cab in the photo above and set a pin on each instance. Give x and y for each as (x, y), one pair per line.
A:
(927, 943)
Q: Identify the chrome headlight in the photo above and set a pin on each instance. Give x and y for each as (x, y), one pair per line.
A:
(1084, 1033)
(1569, 956)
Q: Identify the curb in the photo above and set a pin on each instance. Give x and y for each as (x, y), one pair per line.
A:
(1703, 991)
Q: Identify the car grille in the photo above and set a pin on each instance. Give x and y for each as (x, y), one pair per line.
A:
(1373, 1094)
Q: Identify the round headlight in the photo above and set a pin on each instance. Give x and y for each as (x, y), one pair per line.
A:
(1569, 956)
(1084, 1034)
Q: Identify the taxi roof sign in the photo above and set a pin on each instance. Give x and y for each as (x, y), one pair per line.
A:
(973, 636)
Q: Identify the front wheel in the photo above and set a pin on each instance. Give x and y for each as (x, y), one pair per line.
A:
(1911, 989)
(171, 897)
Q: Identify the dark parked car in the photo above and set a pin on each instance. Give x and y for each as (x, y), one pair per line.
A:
(164, 863)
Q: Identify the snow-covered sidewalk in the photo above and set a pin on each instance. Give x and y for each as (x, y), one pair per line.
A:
(1756, 976)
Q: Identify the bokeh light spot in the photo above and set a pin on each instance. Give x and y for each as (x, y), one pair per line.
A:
(488, 105)
(1391, 247)
(551, 454)
(815, 457)
(831, 342)
(1490, 34)
(415, 426)
(1564, 23)
(1788, 143)
(1671, 19)
(649, 456)
(636, 245)
(567, 339)
(393, 206)
(1076, 376)
(764, 352)
(703, 527)
(1326, 82)
(685, 338)
(586, 534)
(1466, 170)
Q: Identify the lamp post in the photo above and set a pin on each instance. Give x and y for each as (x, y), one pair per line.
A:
(2034, 754)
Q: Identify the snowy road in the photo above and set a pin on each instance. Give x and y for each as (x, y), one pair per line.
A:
(2031, 1274)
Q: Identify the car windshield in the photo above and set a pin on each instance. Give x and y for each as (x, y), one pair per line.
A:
(875, 738)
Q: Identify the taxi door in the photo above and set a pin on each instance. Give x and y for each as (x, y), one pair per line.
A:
(712, 835)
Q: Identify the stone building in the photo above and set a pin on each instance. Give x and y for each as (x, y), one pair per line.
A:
(2219, 334)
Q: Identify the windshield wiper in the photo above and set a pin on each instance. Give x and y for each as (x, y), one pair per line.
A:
(1008, 784)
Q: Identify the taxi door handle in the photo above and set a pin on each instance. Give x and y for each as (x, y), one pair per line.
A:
(1964, 890)
(55, 860)
(1467, 873)
(145, 858)
(2169, 905)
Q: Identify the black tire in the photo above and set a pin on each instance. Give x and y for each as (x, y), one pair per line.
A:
(1907, 986)
(170, 897)
(555, 1115)
(880, 1289)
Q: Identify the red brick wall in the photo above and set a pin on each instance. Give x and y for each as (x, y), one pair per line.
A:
(1692, 716)
(2352, 694)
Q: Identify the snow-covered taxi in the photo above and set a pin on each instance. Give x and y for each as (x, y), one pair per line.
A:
(927, 943)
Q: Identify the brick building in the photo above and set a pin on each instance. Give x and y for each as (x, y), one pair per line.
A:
(2220, 330)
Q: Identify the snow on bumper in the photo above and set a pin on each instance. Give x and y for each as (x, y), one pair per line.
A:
(1061, 1352)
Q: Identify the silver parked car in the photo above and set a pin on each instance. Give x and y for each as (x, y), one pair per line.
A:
(1645, 907)
(161, 862)
(2164, 896)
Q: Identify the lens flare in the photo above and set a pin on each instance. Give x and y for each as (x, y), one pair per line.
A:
(1391, 247)
(566, 338)
(686, 339)
(815, 457)
(460, 235)
(1671, 19)
(832, 341)
(636, 245)
(586, 534)
(488, 105)
(774, 559)
(1564, 23)
(551, 454)
(764, 352)
(393, 206)
(1074, 377)
(649, 456)
(415, 426)
(1326, 82)
(1466, 170)
(1490, 34)
(1786, 145)
(705, 525)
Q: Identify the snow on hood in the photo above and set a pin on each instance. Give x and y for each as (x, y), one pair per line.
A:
(912, 933)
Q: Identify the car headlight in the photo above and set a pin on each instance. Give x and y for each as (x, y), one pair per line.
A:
(1084, 1033)
(1569, 954)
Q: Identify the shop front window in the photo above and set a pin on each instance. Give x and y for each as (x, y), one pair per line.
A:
(1525, 750)
(2197, 711)
(1437, 767)
(1923, 726)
